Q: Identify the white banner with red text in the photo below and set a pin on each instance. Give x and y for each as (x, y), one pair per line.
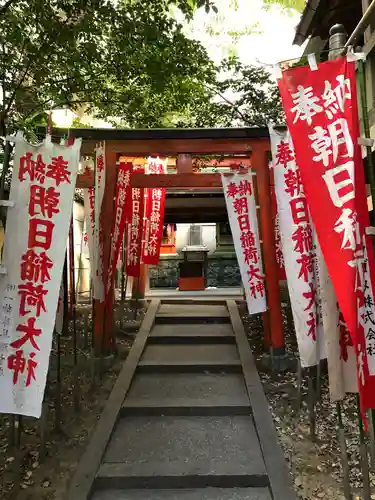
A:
(241, 207)
(93, 199)
(297, 237)
(43, 183)
(322, 116)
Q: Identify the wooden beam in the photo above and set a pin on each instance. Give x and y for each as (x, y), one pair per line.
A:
(172, 147)
(226, 161)
(177, 180)
(182, 181)
(85, 180)
(184, 164)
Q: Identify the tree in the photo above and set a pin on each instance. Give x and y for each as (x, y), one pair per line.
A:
(297, 5)
(254, 99)
(94, 52)
(102, 54)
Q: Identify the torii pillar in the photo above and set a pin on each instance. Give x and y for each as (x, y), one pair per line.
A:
(273, 317)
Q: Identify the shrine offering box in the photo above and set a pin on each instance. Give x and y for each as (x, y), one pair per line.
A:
(193, 268)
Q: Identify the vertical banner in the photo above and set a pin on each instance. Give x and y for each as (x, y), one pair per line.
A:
(43, 183)
(98, 250)
(322, 116)
(299, 248)
(123, 193)
(85, 237)
(278, 242)
(93, 199)
(89, 207)
(241, 207)
(154, 215)
(134, 224)
(340, 352)
(296, 234)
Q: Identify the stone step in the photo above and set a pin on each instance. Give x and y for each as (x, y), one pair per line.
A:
(203, 330)
(183, 452)
(187, 394)
(167, 319)
(192, 339)
(186, 313)
(196, 309)
(201, 494)
(192, 333)
(191, 357)
(192, 354)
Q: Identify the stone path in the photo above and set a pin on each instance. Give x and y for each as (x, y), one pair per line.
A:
(187, 419)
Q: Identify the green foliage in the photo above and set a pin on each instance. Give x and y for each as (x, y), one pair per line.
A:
(127, 59)
(297, 5)
(254, 99)
(78, 124)
(188, 7)
(107, 55)
(303, 61)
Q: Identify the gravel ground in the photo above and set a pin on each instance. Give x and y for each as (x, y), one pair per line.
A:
(23, 473)
(315, 463)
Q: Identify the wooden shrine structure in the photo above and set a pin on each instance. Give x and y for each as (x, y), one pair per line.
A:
(252, 145)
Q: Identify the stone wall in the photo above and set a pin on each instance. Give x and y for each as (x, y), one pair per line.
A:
(165, 274)
(223, 271)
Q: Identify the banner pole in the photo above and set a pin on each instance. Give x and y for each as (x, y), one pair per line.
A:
(74, 316)
(344, 453)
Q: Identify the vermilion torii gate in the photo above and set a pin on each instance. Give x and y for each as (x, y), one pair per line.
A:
(253, 143)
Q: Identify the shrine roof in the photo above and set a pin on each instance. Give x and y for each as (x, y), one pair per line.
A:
(320, 15)
(113, 134)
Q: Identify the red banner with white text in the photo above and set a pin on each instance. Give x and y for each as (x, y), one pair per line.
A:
(154, 216)
(134, 225)
(322, 116)
(123, 193)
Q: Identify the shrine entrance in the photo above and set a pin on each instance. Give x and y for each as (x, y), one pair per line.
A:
(249, 147)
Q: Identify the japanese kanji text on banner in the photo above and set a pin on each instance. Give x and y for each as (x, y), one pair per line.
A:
(154, 215)
(93, 198)
(123, 190)
(278, 242)
(298, 242)
(43, 184)
(134, 227)
(322, 116)
(241, 207)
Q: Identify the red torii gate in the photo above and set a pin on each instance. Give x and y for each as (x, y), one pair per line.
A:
(183, 143)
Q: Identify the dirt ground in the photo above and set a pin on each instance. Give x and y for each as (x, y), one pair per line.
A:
(24, 474)
(315, 464)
